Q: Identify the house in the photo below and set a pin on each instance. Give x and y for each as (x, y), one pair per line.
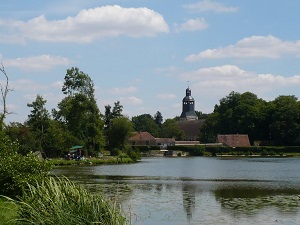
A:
(145, 138)
(142, 138)
(234, 140)
(165, 142)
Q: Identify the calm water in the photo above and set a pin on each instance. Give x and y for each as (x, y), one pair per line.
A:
(199, 190)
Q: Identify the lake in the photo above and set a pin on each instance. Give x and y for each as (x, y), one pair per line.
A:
(198, 190)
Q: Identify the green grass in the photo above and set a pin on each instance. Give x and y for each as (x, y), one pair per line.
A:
(8, 211)
(58, 201)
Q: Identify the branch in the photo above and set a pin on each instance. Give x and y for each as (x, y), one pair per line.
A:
(4, 91)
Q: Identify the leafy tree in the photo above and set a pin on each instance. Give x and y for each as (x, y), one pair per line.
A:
(112, 113)
(285, 126)
(78, 111)
(38, 120)
(119, 132)
(78, 82)
(145, 123)
(158, 118)
(171, 129)
(22, 134)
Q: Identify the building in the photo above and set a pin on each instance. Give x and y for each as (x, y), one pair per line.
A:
(188, 120)
(234, 140)
(188, 106)
(146, 139)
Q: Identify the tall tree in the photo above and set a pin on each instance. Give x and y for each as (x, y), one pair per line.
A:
(38, 120)
(158, 118)
(79, 110)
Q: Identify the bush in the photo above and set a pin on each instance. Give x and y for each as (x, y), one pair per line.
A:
(17, 170)
(59, 201)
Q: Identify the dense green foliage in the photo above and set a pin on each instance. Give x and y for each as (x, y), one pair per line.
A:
(277, 121)
(17, 170)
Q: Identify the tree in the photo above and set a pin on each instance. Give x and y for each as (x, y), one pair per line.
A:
(158, 118)
(78, 111)
(145, 123)
(171, 129)
(78, 82)
(110, 114)
(119, 132)
(38, 120)
(4, 92)
(285, 125)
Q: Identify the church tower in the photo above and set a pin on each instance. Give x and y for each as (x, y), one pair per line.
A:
(188, 106)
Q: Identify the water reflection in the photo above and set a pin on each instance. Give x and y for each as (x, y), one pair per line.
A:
(226, 196)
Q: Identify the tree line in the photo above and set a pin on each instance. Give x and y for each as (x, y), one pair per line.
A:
(274, 122)
(77, 120)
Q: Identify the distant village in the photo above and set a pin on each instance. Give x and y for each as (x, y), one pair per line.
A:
(190, 125)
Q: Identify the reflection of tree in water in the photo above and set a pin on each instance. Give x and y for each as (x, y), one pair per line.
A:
(188, 195)
(242, 202)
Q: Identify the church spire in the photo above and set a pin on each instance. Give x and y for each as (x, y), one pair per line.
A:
(188, 106)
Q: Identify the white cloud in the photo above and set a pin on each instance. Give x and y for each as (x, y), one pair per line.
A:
(131, 100)
(166, 96)
(125, 90)
(37, 63)
(192, 25)
(207, 5)
(88, 25)
(217, 82)
(252, 47)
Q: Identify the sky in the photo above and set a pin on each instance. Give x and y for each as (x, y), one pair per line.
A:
(145, 53)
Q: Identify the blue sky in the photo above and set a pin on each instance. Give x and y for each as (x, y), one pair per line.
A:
(143, 53)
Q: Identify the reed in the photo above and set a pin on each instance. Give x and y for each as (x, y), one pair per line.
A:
(58, 201)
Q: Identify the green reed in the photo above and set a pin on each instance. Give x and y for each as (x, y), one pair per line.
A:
(58, 201)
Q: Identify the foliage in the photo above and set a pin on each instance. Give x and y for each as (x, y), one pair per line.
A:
(22, 134)
(59, 201)
(145, 123)
(16, 170)
(79, 112)
(171, 129)
(119, 132)
(277, 121)
(112, 113)
(158, 118)
(38, 121)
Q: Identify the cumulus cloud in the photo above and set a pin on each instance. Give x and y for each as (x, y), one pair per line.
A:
(166, 96)
(192, 25)
(123, 90)
(207, 5)
(251, 47)
(37, 63)
(221, 80)
(89, 25)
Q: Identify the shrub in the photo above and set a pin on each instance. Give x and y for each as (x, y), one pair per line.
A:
(59, 201)
(17, 170)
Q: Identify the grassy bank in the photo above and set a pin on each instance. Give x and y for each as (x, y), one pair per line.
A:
(91, 161)
(58, 201)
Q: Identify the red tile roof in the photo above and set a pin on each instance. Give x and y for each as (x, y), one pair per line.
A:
(234, 140)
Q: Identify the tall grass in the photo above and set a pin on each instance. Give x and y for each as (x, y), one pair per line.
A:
(58, 201)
